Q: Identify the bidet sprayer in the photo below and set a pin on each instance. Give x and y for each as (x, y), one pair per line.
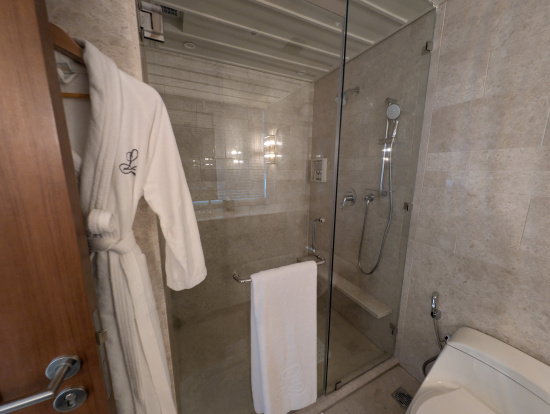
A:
(435, 313)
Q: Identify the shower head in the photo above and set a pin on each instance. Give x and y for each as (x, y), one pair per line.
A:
(393, 111)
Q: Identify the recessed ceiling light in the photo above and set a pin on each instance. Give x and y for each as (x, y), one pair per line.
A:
(189, 45)
(302, 72)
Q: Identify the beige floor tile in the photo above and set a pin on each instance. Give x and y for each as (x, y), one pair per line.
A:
(375, 397)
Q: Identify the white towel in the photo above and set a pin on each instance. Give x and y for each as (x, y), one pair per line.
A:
(284, 338)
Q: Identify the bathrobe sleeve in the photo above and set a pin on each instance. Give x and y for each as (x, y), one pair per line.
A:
(166, 191)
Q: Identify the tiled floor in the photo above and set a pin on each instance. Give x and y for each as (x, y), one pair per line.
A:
(351, 352)
(212, 359)
(375, 397)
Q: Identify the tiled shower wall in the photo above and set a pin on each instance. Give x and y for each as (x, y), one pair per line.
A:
(396, 68)
(481, 225)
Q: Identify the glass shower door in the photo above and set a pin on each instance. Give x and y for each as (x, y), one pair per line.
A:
(238, 81)
(378, 157)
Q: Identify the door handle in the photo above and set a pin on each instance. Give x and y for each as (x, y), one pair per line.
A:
(59, 369)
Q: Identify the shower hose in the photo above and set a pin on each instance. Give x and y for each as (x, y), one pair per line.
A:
(369, 199)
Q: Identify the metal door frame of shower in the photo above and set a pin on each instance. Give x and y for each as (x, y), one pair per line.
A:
(334, 207)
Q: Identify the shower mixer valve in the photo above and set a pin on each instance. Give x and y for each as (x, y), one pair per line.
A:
(349, 198)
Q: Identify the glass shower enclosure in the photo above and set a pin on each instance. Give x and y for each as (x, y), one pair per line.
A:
(274, 131)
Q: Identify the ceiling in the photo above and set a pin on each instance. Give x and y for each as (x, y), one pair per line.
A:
(292, 38)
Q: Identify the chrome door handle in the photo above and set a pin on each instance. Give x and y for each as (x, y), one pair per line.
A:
(59, 369)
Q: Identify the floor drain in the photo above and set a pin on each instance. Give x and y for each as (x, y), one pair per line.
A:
(402, 397)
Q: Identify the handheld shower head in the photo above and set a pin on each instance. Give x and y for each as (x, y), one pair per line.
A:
(393, 111)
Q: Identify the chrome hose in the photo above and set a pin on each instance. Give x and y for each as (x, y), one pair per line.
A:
(387, 226)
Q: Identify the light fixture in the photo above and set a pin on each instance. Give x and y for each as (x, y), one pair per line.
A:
(270, 149)
(189, 45)
(302, 73)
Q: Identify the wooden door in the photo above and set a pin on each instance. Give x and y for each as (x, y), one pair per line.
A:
(47, 296)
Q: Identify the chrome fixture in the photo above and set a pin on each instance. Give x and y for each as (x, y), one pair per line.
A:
(238, 279)
(436, 313)
(349, 198)
(313, 233)
(346, 93)
(70, 399)
(393, 111)
(58, 370)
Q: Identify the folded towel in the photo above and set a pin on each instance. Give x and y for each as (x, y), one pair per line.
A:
(284, 338)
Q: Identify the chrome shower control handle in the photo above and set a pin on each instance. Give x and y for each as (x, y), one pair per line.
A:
(349, 198)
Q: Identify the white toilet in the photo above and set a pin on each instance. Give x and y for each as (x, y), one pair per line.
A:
(478, 374)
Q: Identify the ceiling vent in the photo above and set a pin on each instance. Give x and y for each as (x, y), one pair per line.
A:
(169, 11)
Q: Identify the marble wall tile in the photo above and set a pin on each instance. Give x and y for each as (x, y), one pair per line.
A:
(444, 241)
(513, 182)
(536, 236)
(493, 218)
(448, 161)
(111, 28)
(519, 159)
(506, 121)
(446, 179)
(460, 79)
(492, 24)
(480, 216)
(519, 68)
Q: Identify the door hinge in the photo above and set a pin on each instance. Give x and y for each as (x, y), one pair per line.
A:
(101, 336)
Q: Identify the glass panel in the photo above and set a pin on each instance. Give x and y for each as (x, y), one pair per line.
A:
(252, 88)
(365, 303)
(238, 82)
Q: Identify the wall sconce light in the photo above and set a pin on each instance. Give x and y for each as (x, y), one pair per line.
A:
(271, 149)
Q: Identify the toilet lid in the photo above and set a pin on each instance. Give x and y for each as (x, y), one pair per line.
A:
(458, 401)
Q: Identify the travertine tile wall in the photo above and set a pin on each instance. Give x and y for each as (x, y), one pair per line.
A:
(396, 68)
(480, 233)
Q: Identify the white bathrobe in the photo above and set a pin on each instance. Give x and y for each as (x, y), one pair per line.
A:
(130, 152)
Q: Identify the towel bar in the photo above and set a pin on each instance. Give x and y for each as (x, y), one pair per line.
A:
(238, 278)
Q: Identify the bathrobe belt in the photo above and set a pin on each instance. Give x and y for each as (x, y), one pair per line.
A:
(103, 231)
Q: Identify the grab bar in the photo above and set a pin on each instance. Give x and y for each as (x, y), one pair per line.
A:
(239, 280)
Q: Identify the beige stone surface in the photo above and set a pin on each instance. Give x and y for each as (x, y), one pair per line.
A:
(375, 397)
(480, 222)
(110, 26)
(326, 401)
